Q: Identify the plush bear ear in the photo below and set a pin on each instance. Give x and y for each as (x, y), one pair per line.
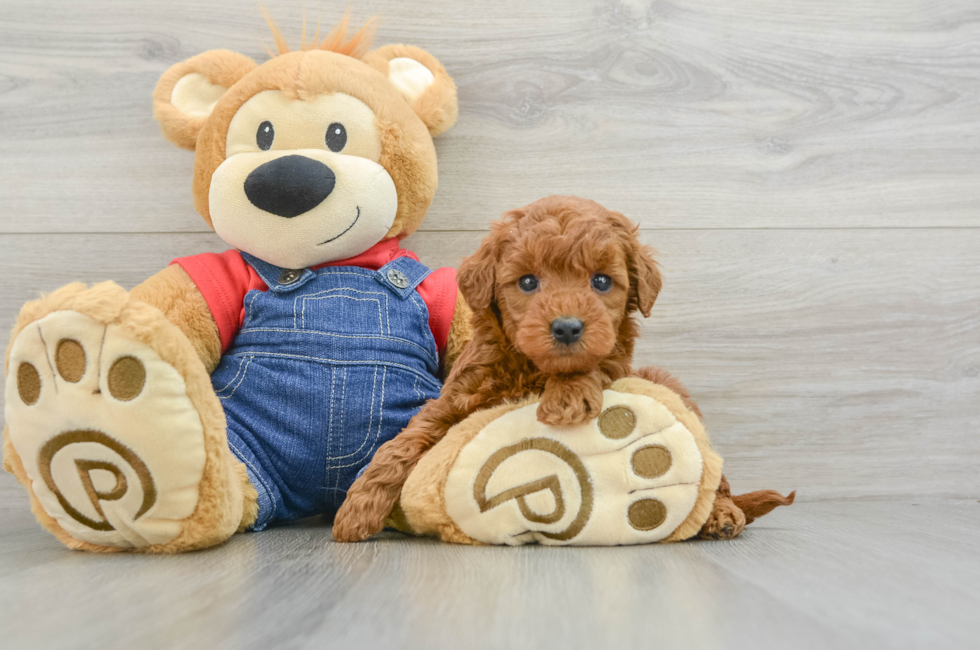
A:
(188, 91)
(421, 80)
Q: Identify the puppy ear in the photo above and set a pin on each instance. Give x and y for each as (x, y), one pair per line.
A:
(645, 281)
(187, 92)
(421, 80)
(644, 272)
(477, 275)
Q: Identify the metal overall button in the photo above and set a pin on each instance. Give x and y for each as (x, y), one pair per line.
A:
(397, 278)
(289, 276)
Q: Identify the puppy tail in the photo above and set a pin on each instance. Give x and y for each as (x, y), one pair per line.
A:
(761, 502)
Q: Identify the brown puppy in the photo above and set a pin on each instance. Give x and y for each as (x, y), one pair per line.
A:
(553, 288)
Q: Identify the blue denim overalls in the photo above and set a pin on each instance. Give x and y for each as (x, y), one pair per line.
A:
(329, 364)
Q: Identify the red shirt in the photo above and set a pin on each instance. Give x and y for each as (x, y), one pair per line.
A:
(224, 279)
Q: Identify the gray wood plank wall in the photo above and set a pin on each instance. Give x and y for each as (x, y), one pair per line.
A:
(809, 172)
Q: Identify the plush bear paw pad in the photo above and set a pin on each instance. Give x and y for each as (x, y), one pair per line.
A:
(630, 476)
(107, 435)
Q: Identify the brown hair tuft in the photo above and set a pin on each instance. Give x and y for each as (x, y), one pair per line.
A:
(336, 41)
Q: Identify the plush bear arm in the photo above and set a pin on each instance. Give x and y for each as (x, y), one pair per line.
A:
(460, 333)
(174, 293)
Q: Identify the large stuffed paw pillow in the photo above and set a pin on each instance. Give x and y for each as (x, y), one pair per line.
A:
(642, 472)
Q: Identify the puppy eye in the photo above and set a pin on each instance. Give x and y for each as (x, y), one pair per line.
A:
(602, 282)
(528, 284)
(336, 137)
(265, 135)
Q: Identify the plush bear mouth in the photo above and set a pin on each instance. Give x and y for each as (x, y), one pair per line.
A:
(356, 217)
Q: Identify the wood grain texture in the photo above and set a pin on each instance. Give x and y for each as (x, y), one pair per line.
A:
(770, 113)
(886, 574)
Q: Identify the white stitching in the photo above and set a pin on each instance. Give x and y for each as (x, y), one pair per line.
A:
(374, 385)
(342, 336)
(241, 360)
(244, 372)
(258, 475)
(314, 296)
(333, 380)
(426, 331)
(377, 433)
(425, 376)
(381, 324)
(343, 399)
(367, 274)
(251, 307)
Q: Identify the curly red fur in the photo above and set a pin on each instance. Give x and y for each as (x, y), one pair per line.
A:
(563, 242)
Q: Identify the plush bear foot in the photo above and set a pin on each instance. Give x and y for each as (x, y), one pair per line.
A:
(113, 426)
(642, 472)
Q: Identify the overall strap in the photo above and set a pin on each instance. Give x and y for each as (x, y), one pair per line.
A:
(402, 275)
(278, 279)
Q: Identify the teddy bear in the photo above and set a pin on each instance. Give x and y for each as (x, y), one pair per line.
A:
(231, 391)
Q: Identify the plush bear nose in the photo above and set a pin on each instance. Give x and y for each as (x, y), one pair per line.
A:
(289, 186)
(566, 330)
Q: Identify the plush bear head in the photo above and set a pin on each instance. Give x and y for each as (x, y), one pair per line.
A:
(315, 155)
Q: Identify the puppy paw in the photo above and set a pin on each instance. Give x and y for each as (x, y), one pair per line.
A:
(557, 413)
(569, 402)
(725, 522)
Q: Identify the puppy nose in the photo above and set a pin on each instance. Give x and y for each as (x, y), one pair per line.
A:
(289, 186)
(567, 330)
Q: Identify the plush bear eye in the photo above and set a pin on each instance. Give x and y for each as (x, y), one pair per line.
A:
(265, 135)
(602, 282)
(528, 284)
(336, 137)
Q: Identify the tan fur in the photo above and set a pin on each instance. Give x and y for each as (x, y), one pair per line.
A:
(250, 509)
(218, 512)
(336, 41)
(408, 160)
(460, 333)
(437, 107)
(174, 293)
(220, 67)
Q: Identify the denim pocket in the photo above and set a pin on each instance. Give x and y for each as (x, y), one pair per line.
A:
(368, 406)
(229, 375)
(348, 310)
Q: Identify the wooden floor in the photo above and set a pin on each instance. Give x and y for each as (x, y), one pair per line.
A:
(810, 174)
(826, 574)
